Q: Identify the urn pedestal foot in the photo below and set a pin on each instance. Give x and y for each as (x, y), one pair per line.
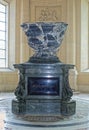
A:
(36, 110)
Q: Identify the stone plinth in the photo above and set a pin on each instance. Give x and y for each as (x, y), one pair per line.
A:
(44, 103)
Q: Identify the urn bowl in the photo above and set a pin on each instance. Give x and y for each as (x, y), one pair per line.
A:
(44, 36)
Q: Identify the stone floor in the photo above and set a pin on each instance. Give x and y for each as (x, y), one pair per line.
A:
(80, 121)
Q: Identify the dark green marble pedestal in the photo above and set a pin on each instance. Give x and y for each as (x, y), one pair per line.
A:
(43, 92)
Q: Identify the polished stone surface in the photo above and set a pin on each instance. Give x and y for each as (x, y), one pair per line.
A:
(45, 38)
(43, 91)
(79, 121)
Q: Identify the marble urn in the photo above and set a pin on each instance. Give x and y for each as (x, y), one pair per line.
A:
(43, 92)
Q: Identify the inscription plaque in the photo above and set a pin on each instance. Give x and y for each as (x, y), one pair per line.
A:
(43, 86)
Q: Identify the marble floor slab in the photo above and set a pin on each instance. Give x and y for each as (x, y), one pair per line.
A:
(79, 121)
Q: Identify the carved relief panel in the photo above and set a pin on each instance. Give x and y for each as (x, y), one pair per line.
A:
(48, 13)
(47, 10)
